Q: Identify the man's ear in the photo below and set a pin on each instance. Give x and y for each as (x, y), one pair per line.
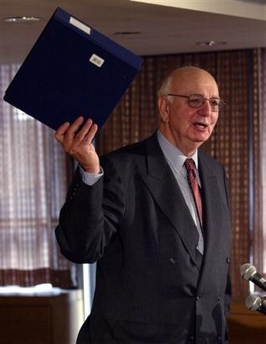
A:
(163, 106)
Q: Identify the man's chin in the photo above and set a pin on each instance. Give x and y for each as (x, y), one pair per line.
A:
(201, 138)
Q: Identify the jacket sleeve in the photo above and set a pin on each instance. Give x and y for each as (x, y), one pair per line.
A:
(90, 217)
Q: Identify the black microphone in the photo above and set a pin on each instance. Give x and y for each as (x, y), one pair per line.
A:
(249, 273)
(255, 303)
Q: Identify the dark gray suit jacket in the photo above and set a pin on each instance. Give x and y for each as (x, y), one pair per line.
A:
(152, 286)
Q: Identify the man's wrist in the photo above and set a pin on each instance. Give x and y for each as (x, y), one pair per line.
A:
(95, 170)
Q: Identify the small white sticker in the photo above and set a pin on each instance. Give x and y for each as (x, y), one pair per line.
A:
(80, 25)
(95, 59)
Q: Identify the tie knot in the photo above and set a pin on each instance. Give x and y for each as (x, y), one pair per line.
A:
(190, 165)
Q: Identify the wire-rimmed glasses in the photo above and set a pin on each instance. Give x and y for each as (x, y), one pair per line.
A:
(197, 101)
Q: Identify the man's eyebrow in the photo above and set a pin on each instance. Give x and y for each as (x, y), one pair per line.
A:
(199, 94)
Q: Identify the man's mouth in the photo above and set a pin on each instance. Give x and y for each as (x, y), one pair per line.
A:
(201, 125)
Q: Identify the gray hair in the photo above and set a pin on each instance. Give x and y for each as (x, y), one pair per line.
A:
(165, 86)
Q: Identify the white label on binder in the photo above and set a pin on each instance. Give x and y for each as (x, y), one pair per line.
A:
(95, 59)
(80, 25)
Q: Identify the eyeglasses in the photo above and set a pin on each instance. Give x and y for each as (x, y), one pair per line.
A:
(197, 101)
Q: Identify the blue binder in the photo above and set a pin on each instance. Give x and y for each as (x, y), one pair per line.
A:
(72, 70)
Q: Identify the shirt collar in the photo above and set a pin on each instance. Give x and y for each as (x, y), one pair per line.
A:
(172, 154)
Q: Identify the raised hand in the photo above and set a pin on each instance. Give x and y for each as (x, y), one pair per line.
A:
(76, 139)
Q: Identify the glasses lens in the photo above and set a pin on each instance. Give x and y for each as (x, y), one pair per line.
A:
(215, 104)
(195, 101)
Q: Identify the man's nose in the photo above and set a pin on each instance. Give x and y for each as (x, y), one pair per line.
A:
(206, 108)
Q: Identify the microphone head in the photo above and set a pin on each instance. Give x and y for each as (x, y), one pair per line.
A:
(253, 302)
(247, 271)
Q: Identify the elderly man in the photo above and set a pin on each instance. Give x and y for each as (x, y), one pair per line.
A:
(154, 216)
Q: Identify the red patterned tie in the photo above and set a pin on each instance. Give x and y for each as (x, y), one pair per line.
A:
(194, 187)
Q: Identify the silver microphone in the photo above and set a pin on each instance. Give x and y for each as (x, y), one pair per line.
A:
(256, 303)
(249, 273)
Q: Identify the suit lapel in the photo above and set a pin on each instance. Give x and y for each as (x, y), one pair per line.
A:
(166, 192)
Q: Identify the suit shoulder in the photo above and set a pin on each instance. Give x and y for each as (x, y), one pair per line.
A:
(129, 151)
(207, 160)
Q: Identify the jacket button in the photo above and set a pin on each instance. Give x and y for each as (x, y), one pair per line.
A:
(227, 260)
(172, 260)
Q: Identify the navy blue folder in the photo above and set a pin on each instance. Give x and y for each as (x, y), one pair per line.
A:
(72, 70)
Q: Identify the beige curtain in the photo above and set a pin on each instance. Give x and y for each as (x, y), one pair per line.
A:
(235, 142)
(32, 189)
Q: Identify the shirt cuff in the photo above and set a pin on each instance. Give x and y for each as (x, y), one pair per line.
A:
(90, 178)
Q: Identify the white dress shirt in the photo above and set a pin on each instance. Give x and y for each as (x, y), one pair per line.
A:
(176, 159)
